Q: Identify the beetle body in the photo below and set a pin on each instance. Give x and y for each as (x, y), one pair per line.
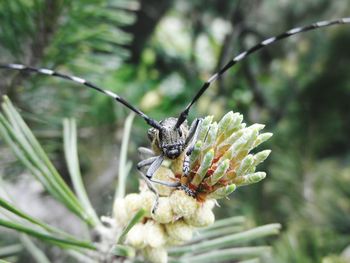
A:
(169, 141)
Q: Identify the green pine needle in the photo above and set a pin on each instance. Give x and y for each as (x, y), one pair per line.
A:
(46, 237)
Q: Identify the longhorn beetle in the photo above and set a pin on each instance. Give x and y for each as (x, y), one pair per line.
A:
(172, 136)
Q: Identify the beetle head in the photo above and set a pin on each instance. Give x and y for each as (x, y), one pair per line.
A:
(169, 139)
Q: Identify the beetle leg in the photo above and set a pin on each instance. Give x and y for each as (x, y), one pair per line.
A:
(186, 165)
(145, 152)
(153, 168)
(191, 140)
(193, 132)
(154, 162)
(168, 184)
(157, 162)
(146, 162)
(153, 189)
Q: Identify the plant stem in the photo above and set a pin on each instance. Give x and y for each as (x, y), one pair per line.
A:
(123, 169)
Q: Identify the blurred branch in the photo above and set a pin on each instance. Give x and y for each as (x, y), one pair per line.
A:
(150, 13)
(278, 112)
(240, 31)
(45, 21)
(235, 17)
(46, 25)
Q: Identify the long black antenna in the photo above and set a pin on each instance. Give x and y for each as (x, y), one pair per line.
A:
(86, 83)
(243, 55)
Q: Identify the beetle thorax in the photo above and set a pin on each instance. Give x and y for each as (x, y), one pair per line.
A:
(169, 140)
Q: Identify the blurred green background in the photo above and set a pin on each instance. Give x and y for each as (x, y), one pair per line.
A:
(156, 54)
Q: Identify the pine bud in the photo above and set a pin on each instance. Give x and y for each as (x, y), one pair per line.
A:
(204, 128)
(182, 204)
(261, 156)
(210, 204)
(147, 201)
(203, 168)
(156, 255)
(262, 138)
(222, 192)
(133, 202)
(219, 172)
(164, 213)
(166, 175)
(249, 178)
(233, 138)
(225, 122)
(246, 163)
(195, 153)
(119, 212)
(179, 230)
(136, 236)
(202, 217)
(211, 136)
(237, 146)
(154, 234)
(257, 126)
(251, 138)
(235, 124)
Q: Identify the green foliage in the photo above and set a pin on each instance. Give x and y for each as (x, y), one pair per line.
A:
(299, 88)
(221, 248)
(214, 242)
(10, 250)
(76, 36)
(17, 134)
